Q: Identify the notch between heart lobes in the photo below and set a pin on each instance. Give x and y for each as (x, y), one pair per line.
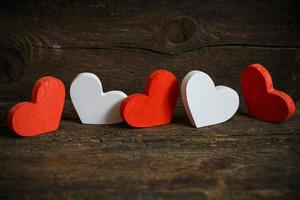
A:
(262, 100)
(92, 105)
(43, 113)
(205, 103)
(156, 106)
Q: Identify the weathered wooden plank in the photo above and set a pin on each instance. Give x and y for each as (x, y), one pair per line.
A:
(158, 25)
(128, 69)
(63, 38)
(100, 175)
(123, 42)
(243, 158)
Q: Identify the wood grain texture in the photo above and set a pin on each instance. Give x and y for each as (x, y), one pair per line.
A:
(240, 159)
(128, 70)
(156, 25)
(243, 158)
(131, 39)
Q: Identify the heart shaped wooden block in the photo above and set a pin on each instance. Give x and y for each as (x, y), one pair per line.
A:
(156, 106)
(206, 104)
(43, 114)
(262, 100)
(94, 106)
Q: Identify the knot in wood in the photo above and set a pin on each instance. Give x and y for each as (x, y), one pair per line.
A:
(180, 30)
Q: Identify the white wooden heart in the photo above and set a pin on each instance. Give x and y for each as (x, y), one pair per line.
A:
(92, 105)
(205, 103)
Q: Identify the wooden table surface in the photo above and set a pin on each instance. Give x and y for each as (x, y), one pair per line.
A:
(241, 159)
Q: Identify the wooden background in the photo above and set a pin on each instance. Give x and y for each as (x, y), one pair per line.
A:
(122, 42)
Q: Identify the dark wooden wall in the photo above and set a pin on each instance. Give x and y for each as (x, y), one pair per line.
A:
(122, 42)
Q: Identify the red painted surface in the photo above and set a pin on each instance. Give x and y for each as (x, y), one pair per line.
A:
(43, 114)
(156, 106)
(262, 100)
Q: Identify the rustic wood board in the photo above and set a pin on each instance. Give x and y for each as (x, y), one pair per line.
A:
(122, 42)
(130, 39)
(127, 70)
(151, 24)
(241, 159)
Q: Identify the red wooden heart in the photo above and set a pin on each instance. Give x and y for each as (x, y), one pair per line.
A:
(262, 100)
(43, 114)
(156, 106)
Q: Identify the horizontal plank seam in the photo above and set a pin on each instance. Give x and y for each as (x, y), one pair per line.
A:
(57, 47)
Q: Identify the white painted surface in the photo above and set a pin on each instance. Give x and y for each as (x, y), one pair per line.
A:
(205, 103)
(92, 104)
